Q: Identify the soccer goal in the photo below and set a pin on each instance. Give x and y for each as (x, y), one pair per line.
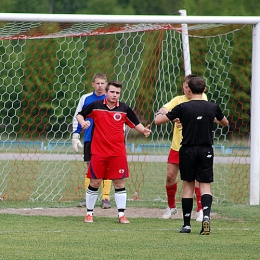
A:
(48, 61)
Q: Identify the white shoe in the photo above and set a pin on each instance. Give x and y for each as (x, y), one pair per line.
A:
(169, 212)
(199, 217)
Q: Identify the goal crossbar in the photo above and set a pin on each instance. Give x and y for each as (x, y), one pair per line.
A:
(90, 18)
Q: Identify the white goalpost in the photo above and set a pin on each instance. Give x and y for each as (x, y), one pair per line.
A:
(255, 119)
(186, 45)
(47, 63)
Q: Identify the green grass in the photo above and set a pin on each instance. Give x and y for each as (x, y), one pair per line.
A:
(236, 235)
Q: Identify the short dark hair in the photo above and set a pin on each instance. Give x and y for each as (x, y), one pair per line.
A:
(197, 85)
(188, 77)
(114, 83)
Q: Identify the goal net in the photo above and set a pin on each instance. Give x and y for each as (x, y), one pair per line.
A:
(47, 66)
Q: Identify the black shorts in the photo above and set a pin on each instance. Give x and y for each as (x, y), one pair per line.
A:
(196, 163)
(87, 154)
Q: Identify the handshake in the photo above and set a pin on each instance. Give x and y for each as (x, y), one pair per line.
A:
(76, 144)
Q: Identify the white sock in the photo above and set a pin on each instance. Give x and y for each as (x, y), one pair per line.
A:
(120, 214)
(120, 198)
(91, 198)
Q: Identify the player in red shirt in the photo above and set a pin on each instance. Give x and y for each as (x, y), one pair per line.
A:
(108, 152)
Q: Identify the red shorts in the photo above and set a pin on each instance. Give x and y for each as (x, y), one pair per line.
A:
(173, 157)
(108, 167)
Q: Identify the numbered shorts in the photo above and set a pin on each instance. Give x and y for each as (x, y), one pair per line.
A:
(108, 167)
(196, 163)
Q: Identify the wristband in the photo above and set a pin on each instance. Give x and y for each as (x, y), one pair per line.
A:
(158, 113)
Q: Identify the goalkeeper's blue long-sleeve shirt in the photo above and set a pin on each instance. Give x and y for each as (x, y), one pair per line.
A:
(84, 101)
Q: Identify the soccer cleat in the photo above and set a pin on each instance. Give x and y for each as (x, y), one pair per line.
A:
(106, 204)
(169, 212)
(123, 220)
(82, 204)
(88, 218)
(199, 217)
(205, 230)
(185, 229)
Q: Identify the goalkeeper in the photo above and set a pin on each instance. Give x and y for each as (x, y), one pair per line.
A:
(99, 83)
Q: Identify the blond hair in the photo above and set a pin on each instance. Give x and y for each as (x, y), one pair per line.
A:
(99, 76)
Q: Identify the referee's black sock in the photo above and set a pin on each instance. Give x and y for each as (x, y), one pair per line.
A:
(206, 202)
(187, 204)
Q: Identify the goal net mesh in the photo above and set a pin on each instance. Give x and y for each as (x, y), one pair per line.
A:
(46, 67)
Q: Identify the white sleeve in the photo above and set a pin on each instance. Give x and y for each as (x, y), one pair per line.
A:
(78, 109)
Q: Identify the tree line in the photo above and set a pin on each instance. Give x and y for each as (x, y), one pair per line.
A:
(133, 7)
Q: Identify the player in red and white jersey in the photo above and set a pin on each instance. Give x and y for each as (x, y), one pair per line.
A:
(108, 160)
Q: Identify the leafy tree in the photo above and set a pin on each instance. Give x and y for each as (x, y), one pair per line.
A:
(111, 7)
(21, 6)
(29, 69)
(225, 62)
(155, 7)
(162, 7)
(67, 6)
(7, 6)
(222, 7)
(37, 92)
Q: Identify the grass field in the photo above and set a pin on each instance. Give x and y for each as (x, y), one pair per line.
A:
(235, 235)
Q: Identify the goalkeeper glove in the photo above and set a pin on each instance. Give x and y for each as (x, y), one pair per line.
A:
(76, 144)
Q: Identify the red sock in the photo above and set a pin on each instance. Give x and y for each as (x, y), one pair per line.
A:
(198, 198)
(171, 192)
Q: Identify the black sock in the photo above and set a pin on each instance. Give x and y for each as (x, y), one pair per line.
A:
(206, 202)
(187, 204)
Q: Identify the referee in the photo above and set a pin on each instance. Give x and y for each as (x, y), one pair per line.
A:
(196, 153)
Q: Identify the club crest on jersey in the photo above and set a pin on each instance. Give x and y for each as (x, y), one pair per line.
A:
(117, 117)
(121, 171)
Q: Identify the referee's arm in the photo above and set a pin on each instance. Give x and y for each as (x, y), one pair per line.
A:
(222, 122)
(160, 118)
